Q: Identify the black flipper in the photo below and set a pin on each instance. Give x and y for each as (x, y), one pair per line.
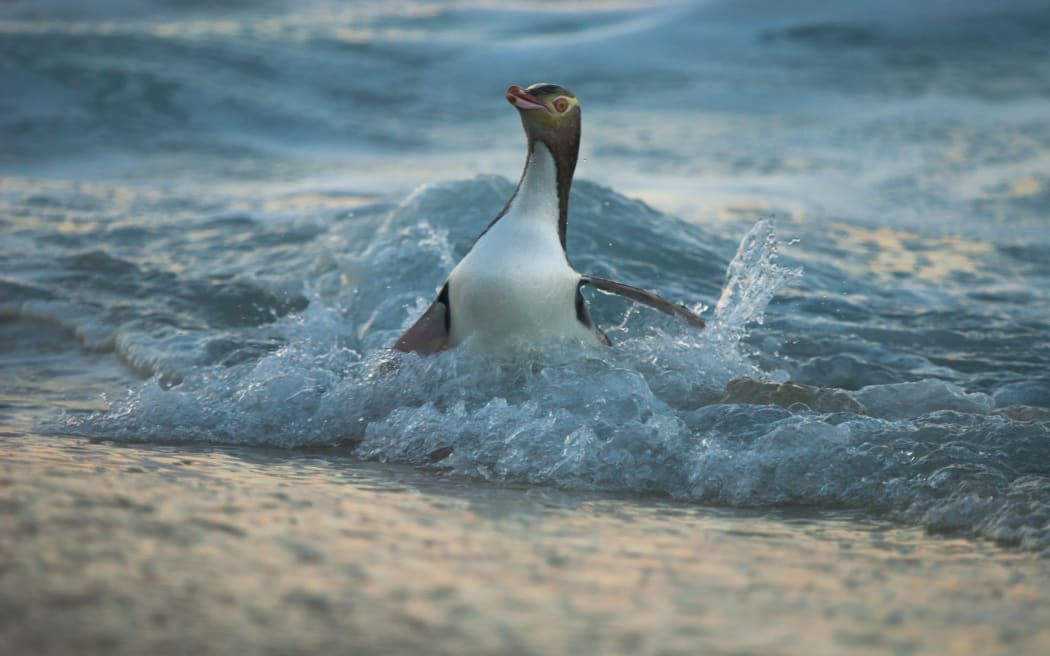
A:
(583, 317)
(642, 296)
(430, 333)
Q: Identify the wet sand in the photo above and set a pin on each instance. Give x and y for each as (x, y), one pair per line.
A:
(110, 549)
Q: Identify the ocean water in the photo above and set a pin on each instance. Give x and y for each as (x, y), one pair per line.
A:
(216, 219)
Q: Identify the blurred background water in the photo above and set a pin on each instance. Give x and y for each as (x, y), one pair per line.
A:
(216, 217)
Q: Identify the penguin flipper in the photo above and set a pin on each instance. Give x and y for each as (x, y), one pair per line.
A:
(430, 333)
(642, 296)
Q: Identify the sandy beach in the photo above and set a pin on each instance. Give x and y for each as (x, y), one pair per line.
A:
(109, 549)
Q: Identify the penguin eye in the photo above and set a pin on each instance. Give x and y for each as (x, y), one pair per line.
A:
(561, 104)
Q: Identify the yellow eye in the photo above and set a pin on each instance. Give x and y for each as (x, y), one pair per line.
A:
(561, 104)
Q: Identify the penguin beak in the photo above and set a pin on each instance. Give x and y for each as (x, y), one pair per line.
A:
(522, 99)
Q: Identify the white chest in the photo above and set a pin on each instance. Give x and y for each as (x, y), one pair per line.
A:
(515, 284)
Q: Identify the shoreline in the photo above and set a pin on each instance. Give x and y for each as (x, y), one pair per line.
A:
(121, 549)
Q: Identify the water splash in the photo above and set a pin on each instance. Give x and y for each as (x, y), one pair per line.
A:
(670, 410)
(320, 381)
(752, 278)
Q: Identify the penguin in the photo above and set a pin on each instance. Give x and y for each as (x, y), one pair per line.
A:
(516, 284)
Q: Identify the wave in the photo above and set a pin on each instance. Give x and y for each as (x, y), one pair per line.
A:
(707, 416)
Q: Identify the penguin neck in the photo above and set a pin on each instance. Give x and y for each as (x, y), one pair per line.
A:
(543, 192)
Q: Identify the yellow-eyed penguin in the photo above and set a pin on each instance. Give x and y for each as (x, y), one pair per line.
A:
(515, 284)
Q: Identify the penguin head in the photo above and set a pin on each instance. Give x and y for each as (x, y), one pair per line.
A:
(549, 113)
